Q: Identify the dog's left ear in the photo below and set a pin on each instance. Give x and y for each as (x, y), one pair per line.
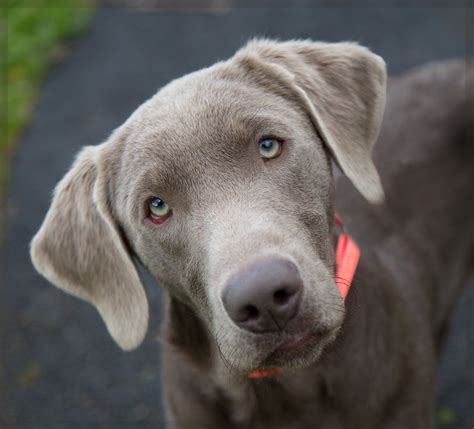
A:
(342, 88)
(80, 249)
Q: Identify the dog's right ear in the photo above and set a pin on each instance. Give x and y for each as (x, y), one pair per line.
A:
(341, 86)
(80, 250)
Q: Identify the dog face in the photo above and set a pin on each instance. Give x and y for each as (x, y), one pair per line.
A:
(221, 185)
(233, 209)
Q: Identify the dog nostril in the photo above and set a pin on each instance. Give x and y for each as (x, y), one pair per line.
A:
(251, 313)
(281, 296)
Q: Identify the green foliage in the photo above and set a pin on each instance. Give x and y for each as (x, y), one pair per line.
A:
(32, 33)
(445, 416)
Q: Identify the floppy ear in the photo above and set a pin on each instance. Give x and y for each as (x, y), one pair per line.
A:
(342, 88)
(80, 250)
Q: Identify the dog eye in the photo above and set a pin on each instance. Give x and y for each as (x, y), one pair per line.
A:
(159, 211)
(269, 148)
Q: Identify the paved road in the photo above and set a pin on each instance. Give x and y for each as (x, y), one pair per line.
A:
(60, 369)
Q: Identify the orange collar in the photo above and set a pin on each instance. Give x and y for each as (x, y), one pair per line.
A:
(347, 259)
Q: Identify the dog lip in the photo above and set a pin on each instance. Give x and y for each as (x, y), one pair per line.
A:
(296, 346)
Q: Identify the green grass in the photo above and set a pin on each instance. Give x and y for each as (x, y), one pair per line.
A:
(33, 33)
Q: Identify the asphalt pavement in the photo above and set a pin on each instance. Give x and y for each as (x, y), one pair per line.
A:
(58, 366)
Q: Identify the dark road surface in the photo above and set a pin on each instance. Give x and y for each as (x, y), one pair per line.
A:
(59, 368)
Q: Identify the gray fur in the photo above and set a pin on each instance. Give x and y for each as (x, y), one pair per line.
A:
(195, 145)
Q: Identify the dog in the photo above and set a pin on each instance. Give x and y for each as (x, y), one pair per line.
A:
(225, 185)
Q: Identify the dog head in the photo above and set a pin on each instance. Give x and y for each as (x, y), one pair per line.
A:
(221, 185)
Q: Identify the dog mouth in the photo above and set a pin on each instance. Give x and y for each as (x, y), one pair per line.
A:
(295, 347)
(297, 351)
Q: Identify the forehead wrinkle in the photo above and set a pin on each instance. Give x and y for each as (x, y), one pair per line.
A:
(212, 128)
(167, 177)
(265, 124)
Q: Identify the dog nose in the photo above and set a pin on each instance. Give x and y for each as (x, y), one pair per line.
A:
(265, 296)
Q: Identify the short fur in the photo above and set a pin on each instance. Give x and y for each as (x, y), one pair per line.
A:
(195, 145)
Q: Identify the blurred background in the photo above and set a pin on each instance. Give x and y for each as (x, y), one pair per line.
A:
(74, 71)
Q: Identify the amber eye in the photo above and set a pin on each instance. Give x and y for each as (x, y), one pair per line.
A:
(269, 148)
(159, 210)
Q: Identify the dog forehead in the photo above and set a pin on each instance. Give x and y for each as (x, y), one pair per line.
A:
(205, 102)
(203, 111)
(198, 128)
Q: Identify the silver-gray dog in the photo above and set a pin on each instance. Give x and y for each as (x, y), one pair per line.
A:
(222, 186)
